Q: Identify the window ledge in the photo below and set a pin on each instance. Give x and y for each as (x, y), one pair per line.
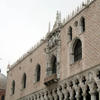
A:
(76, 62)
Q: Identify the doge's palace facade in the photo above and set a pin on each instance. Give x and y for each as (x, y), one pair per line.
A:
(65, 65)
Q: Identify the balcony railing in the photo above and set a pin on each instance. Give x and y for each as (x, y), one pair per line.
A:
(50, 79)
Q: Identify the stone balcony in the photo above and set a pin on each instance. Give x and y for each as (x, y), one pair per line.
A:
(50, 79)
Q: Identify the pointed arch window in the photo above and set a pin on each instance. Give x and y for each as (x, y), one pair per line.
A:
(24, 81)
(38, 73)
(82, 24)
(70, 33)
(77, 50)
(54, 64)
(13, 87)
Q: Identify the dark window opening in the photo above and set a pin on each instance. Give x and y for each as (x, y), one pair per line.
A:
(38, 70)
(83, 24)
(70, 32)
(54, 64)
(3, 97)
(77, 50)
(13, 87)
(24, 80)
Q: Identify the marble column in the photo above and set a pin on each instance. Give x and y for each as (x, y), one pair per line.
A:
(60, 93)
(98, 84)
(35, 97)
(46, 95)
(84, 88)
(93, 96)
(66, 94)
(77, 94)
(55, 95)
(50, 96)
(84, 95)
(72, 94)
(42, 96)
(93, 90)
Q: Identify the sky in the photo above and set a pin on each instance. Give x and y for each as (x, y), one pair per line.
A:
(24, 22)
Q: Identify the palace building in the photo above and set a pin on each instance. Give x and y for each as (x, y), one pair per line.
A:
(65, 65)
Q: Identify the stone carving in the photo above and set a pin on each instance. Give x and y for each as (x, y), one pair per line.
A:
(53, 41)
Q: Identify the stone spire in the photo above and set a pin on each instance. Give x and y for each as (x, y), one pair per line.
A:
(58, 20)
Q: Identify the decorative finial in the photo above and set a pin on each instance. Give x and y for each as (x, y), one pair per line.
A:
(58, 20)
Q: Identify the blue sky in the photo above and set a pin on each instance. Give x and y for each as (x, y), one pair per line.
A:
(24, 22)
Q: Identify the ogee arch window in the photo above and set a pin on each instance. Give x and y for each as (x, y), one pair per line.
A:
(38, 72)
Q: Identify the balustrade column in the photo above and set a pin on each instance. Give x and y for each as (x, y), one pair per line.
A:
(42, 96)
(55, 94)
(50, 96)
(72, 94)
(38, 97)
(66, 94)
(77, 94)
(35, 97)
(84, 95)
(61, 96)
(46, 95)
(93, 96)
(92, 91)
(98, 84)
(99, 93)
(84, 91)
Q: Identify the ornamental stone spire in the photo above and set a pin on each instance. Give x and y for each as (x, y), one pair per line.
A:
(58, 20)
